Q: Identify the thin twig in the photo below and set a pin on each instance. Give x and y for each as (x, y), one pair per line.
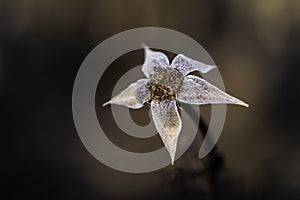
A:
(214, 160)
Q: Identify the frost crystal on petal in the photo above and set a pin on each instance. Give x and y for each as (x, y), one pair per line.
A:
(154, 61)
(168, 123)
(186, 65)
(134, 96)
(143, 93)
(195, 90)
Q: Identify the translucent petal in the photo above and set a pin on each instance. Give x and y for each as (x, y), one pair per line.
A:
(186, 65)
(143, 93)
(168, 123)
(195, 90)
(154, 61)
(134, 96)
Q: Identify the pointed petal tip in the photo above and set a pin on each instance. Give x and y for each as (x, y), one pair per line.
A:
(172, 154)
(172, 159)
(145, 46)
(209, 68)
(239, 103)
(246, 105)
(106, 103)
(214, 66)
(243, 104)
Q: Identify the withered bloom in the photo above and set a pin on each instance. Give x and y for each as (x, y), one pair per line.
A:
(165, 85)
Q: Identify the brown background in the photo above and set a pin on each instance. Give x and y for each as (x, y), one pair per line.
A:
(42, 44)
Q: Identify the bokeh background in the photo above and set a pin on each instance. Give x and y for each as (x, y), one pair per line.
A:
(42, 45)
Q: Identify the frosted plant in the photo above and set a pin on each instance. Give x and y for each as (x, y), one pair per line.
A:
(164, 86)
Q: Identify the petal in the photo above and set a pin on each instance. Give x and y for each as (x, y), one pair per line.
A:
(168, 123)
(154, 60)
(195, 90)
(143, 94)
(134, 96)
(186, 65)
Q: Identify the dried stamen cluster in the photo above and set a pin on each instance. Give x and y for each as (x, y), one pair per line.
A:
(164, 84)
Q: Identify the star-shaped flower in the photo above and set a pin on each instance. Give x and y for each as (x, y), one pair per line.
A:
(165, 85)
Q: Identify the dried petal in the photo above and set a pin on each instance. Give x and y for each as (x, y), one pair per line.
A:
(143, 93)
(186, 65)
(195, 90)
(168, 123)
(154, 61)
(134, 96)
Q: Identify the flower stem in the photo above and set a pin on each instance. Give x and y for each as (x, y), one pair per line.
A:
(213, 162)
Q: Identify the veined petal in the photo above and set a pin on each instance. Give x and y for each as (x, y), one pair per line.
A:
(154, 61)
(134, 96)
(186, 65)
(195, 90)
(168, 123)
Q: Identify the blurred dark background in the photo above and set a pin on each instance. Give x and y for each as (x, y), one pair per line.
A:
(42, 45)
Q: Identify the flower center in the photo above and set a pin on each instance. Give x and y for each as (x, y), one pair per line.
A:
(164, 84)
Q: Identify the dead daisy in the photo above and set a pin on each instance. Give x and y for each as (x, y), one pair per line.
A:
(165, 85)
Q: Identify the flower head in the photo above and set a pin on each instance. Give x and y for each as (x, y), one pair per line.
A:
(165, 85)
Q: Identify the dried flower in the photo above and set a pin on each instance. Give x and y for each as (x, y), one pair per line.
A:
(165, 85)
